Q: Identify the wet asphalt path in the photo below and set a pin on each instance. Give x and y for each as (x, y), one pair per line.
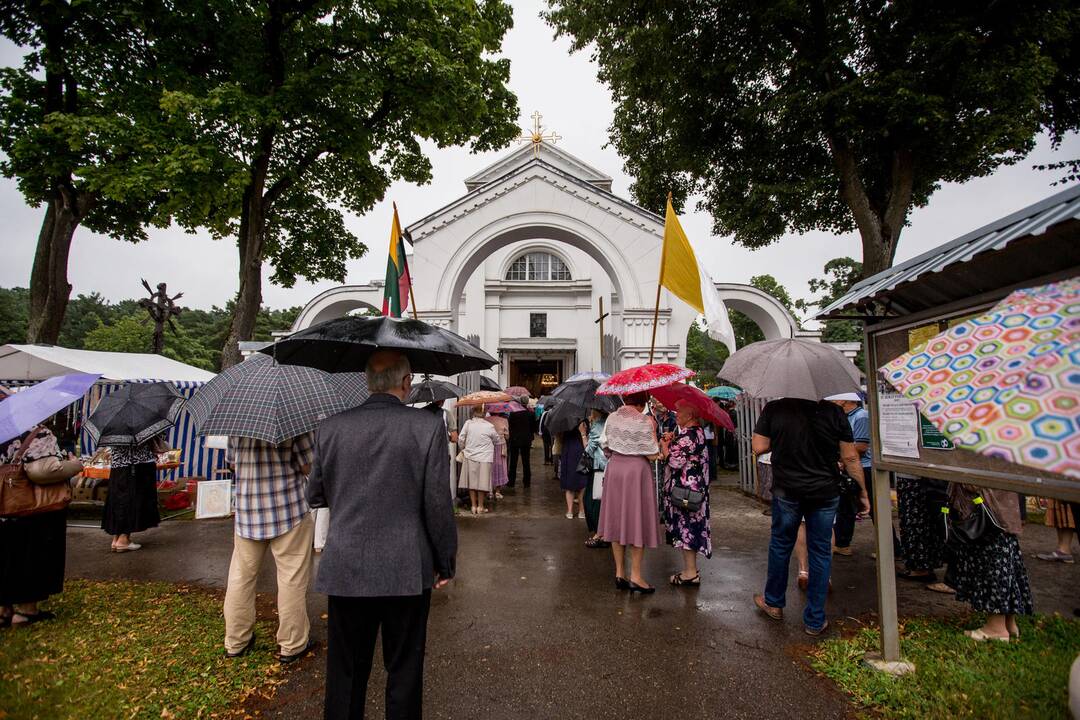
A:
(532, 627)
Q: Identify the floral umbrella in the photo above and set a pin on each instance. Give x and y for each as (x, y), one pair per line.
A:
(503, 408)
(1006, 384)
(483, 397)
(517, 391)
(643, 378)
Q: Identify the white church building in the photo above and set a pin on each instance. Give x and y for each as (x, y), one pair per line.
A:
(523, 262)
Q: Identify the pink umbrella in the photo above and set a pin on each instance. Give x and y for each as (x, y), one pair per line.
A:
(517, 391)
(499, 408)
(643, 378)
(671, 395)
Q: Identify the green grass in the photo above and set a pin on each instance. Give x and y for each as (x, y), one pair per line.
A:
(129, 650)
(956, 677)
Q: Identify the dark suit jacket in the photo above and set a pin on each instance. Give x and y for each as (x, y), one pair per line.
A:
(522, 428)
(382, 470)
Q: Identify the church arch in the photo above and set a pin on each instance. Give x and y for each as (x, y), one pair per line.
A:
(763, 309)
(536, 226)
(338, 302)
(552, 255)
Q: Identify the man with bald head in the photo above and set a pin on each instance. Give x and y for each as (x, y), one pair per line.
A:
(381, 467)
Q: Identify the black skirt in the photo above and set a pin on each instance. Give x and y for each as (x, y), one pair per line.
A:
(131, 505)
(32, 561)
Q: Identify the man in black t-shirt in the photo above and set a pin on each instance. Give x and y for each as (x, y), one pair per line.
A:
(808, 441)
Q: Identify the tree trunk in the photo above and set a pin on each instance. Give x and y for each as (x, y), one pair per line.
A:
(249, 296)
(49, 286)
(251, 245)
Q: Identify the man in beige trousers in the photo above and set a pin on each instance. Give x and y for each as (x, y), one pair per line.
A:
(272, 513)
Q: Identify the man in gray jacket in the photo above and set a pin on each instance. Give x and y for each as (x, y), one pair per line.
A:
(381, 467)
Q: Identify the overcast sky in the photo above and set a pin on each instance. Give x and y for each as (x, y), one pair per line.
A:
(564, 88)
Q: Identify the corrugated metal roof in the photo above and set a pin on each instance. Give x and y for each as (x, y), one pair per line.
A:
(1032, 220)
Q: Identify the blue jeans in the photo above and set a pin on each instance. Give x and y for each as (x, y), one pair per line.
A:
(786, 516)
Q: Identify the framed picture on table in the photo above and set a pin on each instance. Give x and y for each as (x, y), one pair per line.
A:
(214, 499)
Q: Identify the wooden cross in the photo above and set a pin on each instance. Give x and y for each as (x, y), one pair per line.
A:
(601, 321)
(537, 136)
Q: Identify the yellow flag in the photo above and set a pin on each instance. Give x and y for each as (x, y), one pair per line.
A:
(678, 266)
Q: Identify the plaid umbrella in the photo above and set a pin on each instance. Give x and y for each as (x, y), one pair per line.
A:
(1005, 384)
(133, 414)
(262, 399)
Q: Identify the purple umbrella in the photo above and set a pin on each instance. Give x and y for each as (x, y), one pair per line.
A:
(503, 408)
(28, 407)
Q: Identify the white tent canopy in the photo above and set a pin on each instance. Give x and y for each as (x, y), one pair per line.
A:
(38, 362)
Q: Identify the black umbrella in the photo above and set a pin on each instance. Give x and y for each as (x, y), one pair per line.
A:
(430, 391)
(583, 394)
(487, 383)
(134, 413)
(564, 416)
(345, 344)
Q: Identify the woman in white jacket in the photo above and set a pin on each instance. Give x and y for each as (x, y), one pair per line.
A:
(477, 440)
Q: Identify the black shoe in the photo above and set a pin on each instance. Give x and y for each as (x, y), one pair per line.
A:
(621, 583)
(635, 588)
(287, 659)
(244, 650)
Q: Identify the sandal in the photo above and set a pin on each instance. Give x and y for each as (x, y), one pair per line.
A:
(930, 577)
(31, 619)
(940, 587)
(980, 636)
(678, 579)
(594, 542)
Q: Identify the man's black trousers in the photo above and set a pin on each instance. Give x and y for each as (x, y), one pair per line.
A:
(352, 625)
(521, 451)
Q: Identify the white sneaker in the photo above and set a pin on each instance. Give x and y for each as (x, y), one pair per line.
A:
(569, 516)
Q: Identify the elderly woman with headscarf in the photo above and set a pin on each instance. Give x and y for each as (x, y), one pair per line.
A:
(478, 439)
(686, 451)
(628, 511)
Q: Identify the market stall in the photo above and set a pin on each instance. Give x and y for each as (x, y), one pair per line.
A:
(911, 314)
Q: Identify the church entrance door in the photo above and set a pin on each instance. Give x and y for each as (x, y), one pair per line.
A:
(540, 377)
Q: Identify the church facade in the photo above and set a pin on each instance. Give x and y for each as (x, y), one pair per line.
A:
(545, 268)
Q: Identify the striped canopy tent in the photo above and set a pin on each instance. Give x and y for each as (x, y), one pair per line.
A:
(28, 364)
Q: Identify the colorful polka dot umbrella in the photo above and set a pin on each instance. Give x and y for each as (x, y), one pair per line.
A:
(1006, 384)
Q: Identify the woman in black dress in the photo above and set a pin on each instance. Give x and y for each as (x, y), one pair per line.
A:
(131, 505)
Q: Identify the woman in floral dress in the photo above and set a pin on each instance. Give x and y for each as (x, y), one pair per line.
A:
(686, 453)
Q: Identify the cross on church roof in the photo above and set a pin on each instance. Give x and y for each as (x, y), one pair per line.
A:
(537, 136)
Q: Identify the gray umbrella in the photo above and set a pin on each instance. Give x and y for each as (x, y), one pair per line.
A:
(262, 399)
(791, 368)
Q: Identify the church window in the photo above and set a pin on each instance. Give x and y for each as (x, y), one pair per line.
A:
(538, 266)
(537, 325)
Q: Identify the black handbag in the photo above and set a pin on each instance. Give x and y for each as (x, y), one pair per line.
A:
(686, 499)
(977, 529)
(847, 486)
(585, 464)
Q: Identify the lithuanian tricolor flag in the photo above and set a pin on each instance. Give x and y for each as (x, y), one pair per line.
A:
(396, 293)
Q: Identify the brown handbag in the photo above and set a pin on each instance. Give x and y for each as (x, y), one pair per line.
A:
(19, 496)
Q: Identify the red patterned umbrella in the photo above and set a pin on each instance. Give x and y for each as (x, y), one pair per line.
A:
(675, 393)
(517, 391)
(643, 378)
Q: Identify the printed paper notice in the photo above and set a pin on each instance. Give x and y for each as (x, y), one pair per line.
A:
(898, 423)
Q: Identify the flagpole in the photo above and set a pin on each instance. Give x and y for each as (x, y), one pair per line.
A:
(659, 284)
(405, 264)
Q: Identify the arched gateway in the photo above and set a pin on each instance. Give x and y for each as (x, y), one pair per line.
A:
(522, 262)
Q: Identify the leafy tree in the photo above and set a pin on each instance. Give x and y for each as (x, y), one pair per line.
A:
(78, 120)
(132, 333)
(840, 275)
(14, 315)
(835, 116)
(319, 106)
(706, 356)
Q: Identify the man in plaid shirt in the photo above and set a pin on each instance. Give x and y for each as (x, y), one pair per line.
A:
(271, 513)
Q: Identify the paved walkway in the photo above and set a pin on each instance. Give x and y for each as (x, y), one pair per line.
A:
(533, 628)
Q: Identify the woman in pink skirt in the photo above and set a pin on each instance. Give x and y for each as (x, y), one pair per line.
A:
(628, 515)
